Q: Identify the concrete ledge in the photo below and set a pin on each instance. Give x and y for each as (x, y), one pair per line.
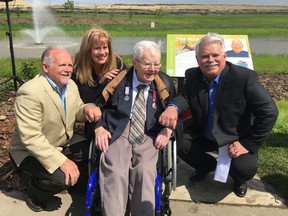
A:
(210, 191)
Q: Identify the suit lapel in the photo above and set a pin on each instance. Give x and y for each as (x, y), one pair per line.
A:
(220, 92)
(54, 97)
(150, 108)
(124, 105)
(203, 94)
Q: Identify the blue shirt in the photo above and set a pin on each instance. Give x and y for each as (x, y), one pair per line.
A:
(212, 89)
(61, 94)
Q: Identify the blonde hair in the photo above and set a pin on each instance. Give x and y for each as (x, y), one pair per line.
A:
(83, 62)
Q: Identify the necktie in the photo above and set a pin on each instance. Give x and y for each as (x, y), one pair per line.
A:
(137, 127)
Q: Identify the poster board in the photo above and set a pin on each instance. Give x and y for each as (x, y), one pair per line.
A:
(181, 56)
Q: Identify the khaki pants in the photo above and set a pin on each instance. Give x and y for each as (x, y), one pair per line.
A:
(128, 173)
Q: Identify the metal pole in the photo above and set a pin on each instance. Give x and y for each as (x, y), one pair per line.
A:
(9, 34)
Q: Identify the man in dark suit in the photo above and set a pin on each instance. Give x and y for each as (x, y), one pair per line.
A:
(231, 110)
(128, 165)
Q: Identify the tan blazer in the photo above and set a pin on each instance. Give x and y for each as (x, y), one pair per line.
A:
(42, 127)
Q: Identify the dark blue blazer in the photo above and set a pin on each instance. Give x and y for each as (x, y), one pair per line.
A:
(243, 111)
(116, 112)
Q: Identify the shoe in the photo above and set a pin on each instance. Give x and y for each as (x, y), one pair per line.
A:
(240, 189)
(198, 176)
(34, 206)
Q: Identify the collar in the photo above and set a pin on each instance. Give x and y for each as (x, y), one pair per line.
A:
(136, 82)
(215, 80)
(54, 86)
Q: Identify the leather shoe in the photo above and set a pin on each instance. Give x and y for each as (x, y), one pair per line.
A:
(34, 206)
(198, 176)
(240, 189)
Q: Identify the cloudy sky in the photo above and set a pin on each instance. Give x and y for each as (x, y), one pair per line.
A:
(108, 2)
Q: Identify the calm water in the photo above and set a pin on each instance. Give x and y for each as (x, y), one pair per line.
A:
(124, 46)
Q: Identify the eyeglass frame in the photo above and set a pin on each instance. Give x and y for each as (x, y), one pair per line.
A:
(148, 65)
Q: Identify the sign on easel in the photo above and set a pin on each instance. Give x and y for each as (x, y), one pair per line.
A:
(181, 53)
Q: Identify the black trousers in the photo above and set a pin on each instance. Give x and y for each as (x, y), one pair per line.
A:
(43, 185)
(194, 153)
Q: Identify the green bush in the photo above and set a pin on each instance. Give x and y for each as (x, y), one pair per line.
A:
(29, 69)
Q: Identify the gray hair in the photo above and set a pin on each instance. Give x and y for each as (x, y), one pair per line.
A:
(46, 54)
(210, 38)
(143, 46)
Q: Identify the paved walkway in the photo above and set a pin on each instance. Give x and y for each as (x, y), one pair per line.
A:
(207, 198)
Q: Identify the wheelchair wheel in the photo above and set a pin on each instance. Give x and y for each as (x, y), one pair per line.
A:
(92, 202)
(93, 191)
(91, 157)
(172, 163)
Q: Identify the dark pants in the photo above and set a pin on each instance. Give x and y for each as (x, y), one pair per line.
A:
(194, 153)
(43, 185)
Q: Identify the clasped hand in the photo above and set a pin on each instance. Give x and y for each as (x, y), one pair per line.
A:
(236, 149)
(169, 117)
(92, 112)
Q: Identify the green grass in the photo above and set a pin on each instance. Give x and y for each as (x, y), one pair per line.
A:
(139, 25)
(270, 64)
(273, 156)
(263, 64)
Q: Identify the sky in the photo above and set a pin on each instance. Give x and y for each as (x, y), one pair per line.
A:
(231, 2)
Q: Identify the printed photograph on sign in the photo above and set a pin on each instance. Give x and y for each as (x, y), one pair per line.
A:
(181, 52)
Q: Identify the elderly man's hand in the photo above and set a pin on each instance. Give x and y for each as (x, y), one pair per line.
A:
(92, 112)
(102, 137)
(162, 138)
(169, 117)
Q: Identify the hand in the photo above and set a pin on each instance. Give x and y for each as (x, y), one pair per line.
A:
(109, 75)
(169, 117)
(236, 149)
(92, 112)
(162, 138)
(71, 172)
(102, 137)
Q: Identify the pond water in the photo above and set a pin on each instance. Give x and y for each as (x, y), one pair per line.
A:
(124, 46)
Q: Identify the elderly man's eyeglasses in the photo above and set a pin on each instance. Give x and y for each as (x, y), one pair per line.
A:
(148, 65)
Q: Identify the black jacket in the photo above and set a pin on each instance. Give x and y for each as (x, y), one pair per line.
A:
(116, 111)
(243, 111)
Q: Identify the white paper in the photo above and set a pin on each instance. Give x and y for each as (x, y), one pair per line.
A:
(223, 165)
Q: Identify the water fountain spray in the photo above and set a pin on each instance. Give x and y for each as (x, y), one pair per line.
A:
(44, 24)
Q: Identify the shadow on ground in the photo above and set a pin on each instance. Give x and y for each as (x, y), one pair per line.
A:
(210, 191)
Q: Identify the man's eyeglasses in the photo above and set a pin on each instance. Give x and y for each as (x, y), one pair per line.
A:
(148, 65)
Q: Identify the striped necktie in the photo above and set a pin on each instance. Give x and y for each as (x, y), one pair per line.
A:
(137, 127)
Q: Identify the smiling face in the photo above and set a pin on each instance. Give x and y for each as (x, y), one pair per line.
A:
(147, 67)
(58, 67)
(211, 59)
(99, 53)
(237, 46)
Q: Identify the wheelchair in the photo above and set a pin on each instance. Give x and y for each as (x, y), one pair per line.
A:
(165, 181)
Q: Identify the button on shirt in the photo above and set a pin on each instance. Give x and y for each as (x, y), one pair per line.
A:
(212, 89)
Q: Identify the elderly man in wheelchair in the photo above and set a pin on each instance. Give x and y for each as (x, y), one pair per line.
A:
(126, 156)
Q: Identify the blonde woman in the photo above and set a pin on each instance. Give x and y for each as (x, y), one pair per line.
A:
(94, 63)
